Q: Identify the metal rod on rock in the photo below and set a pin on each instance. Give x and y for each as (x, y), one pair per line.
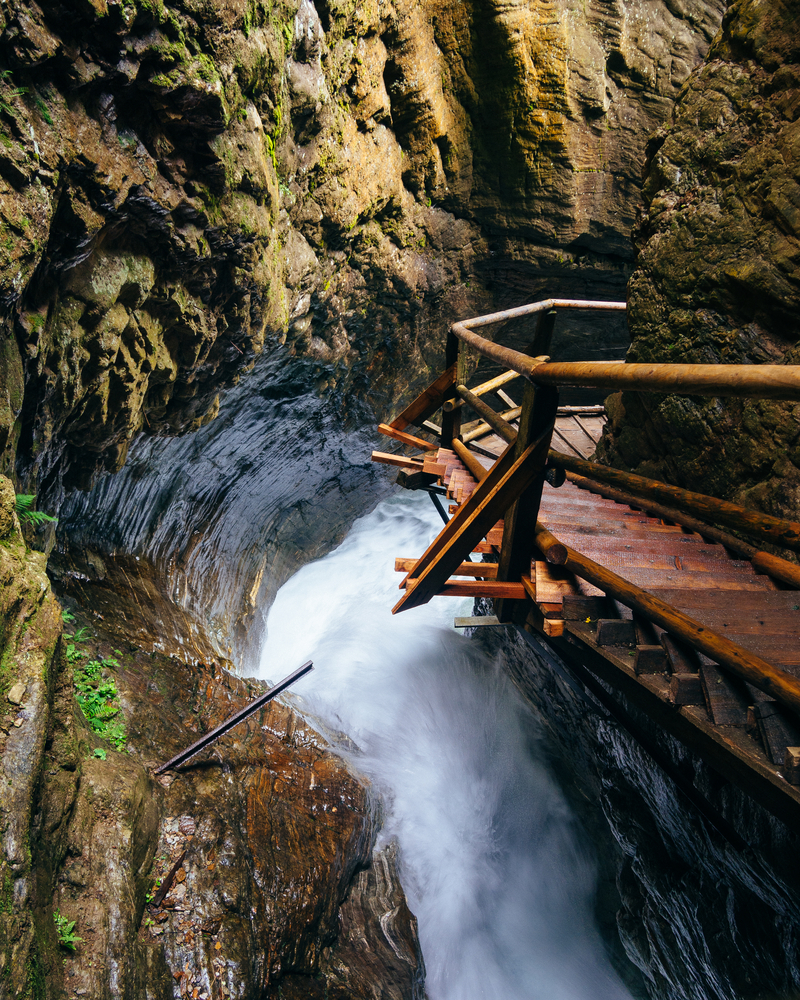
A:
(235, 719)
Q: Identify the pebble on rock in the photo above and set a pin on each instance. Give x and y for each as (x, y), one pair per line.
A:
(17, 693)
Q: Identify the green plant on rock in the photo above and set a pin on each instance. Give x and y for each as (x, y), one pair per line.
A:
(99, 700)
(23, 506)
(65, 929)
(5, 106)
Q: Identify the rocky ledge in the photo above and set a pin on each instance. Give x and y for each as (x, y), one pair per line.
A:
(250, 871)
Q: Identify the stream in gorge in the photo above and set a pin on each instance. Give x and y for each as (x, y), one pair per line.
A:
(493, 862)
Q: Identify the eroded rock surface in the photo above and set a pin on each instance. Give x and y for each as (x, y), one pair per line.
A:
(697, 916)
(30, 625)
(717, 277)
(185, 190)
(260, 837)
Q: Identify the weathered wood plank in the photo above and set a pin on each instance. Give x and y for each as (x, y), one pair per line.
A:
(487, 570)
(480, 588)
(753, 668)
(413, 442)
(490, 500)
(726, 700)
(752, 522)
(428, 401)
(385, 458)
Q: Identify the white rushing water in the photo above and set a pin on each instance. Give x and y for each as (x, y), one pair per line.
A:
(491, 862)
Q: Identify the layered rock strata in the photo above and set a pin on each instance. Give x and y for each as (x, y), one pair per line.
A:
(185, 190)
(227, 879)
(717, 276)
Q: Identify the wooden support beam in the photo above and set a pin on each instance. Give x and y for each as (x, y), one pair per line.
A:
(413, 442)
(451, 422)
(492, 418)
(386, 458)
(751, 522)
(765, 676)
(685, 689)
(476, 621)
(506, 481)
(650, 659)
(480, 428)
(487, 570)
(538, 417)
(428, 401)
(615, 632)
(481, 390)
(476, 467)
(480, 588)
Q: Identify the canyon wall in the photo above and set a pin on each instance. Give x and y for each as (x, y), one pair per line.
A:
(189, 192)
(717, 276)
(232, 234)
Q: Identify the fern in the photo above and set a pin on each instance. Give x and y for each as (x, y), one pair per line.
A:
(23, 507)
(65, 929)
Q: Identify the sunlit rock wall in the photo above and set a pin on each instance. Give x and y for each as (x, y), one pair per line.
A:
(188, 191)
(717, 276)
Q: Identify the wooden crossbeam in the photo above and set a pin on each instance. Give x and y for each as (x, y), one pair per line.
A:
(428, 401)
(414, 442)
(481, 588)
(506, 481)
(386, 458)
(500, 426)
(485, 387)
(485, 569)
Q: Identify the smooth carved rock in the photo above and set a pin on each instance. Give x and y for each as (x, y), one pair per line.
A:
(717, 278)
(262, 836)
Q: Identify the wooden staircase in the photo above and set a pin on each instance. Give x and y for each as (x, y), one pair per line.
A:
(696, 626)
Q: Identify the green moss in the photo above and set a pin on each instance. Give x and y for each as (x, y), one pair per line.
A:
(7, 896)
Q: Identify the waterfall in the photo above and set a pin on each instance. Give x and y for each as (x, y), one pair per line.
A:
(492, 861)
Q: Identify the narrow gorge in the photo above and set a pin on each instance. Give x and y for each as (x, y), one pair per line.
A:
(233, 237)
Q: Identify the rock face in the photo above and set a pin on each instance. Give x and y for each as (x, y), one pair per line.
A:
(698, 917)
(31, 625)
(227, 878)
(717, 278)
(188, 191)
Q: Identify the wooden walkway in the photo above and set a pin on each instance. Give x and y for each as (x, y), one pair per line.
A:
(705, 642)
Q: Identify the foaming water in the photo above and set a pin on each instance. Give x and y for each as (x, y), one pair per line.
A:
(491, 861)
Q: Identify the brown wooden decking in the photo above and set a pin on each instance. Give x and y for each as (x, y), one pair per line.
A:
(640, 581)
(742, 732)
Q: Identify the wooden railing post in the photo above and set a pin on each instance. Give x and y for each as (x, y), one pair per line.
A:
(451, 422)
(544, 334)
(539, 406)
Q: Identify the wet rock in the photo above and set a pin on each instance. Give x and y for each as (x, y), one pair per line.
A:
(228, 880)
(30, 630)
(697, 916)
(717, 277)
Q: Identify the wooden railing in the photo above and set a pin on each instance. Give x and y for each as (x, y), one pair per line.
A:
(512, 488)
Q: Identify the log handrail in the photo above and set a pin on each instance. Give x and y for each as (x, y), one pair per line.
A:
(771, 529)
(763, 562)
(756, 381)
(749, 666)
(500, 426)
